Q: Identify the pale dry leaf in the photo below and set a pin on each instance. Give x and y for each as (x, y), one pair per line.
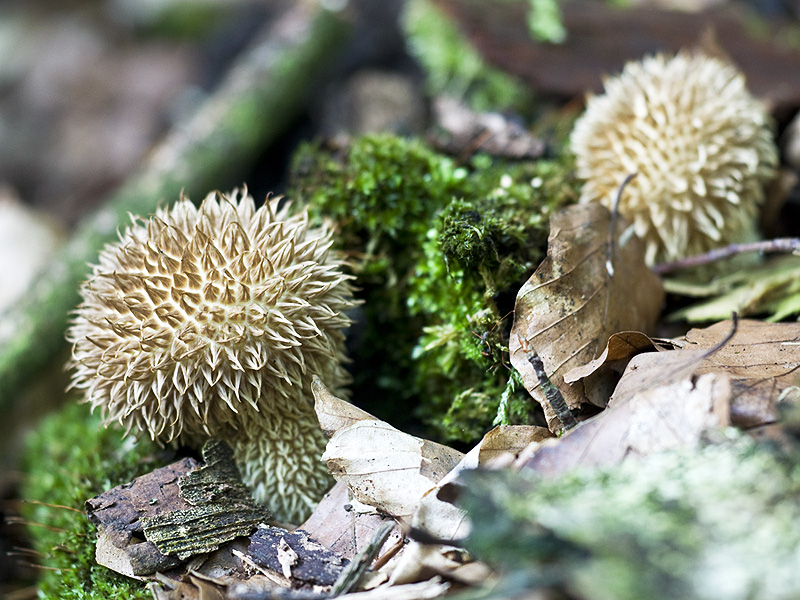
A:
(509, 440)
(339, 527)
(441, 519)
(762, 360)
(658, 405)
(571, 305)
(436, 513)
(422, 561)
(386, 468)
(334, 413)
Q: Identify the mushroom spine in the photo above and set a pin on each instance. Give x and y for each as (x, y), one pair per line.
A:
(208, 323)
(702, 148)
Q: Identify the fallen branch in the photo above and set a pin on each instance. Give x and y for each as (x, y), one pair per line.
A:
(260, 96)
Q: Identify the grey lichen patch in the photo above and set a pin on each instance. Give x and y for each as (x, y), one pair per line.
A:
(222, 510)
(715, 523)
(218, 480)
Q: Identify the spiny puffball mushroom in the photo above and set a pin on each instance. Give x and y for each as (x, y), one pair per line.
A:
(209, 323)
(701, 145)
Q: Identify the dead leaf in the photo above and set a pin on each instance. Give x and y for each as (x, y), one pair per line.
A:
(386, 468)
(334, 413)
(437, 513)
(658, 405)
(508, 440)
(762, 360)
(339, 527)
(621, 347)
(425, 590)
(570, 306)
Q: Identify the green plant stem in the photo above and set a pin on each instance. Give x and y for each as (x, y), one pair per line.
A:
(260, 96)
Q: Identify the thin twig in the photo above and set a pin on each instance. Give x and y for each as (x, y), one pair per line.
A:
(612, 223)
(387, 556)
(351, 575)
(49, 505)
(551, 393)
(765, 246)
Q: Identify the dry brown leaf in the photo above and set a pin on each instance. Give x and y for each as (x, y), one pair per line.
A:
(621, 347)
(570, 306)
(508, 440)
(658, 405)
(762, 360)
(339, 527)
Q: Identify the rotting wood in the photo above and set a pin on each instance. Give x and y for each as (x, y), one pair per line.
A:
(221, 509)
(315, 564)
(117, 513)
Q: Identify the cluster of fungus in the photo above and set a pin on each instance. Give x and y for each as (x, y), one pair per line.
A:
(208, 323)
(700, 144)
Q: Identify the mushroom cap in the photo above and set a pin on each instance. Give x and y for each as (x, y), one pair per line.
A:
(209, 322)
(702, 148)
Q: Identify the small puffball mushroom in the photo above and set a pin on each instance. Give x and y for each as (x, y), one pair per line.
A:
(209, 323)
(701, 145)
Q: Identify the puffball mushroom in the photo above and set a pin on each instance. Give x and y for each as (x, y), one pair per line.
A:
(209, 323)
(701, 145)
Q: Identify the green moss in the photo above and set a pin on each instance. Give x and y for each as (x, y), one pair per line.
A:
(454, 68)
(70, 458)
(545, 21)
(714, 523)
(439, 251)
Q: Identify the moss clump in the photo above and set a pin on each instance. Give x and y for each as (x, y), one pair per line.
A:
(439, 250)
(714, 523)
(70, 458)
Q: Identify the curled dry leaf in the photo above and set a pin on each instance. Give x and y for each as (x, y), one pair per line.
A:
(621, 347)
(571, 305)
(436, 514)
(762, 360)
(658, 405)
(441, 519)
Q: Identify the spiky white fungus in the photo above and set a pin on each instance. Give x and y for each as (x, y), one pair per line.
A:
(701, 145)
(209, 322)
